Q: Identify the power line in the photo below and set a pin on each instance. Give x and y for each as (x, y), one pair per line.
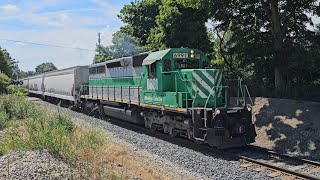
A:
(49, 45)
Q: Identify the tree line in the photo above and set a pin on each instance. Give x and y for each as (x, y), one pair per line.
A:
(9, 67)
(272, 44)
(41, 68)
(9, 70)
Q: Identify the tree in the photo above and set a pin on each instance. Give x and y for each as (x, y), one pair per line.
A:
(45, 67)
(4, 82)
(6, 62)
(123, 45)
(103, 54)
(268, 35)
(23, 74)
(182, 26)
(140, 17)
(159, 24)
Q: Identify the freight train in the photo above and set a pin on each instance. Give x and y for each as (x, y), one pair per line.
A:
(173, 90)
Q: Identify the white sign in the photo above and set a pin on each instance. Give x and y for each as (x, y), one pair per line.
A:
(180, 55)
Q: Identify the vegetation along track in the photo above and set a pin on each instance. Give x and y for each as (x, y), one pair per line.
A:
(282, 166)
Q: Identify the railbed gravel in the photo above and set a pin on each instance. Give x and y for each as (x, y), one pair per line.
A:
(34, 165)
(186, 155)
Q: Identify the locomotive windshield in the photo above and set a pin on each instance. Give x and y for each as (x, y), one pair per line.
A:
(187, 64)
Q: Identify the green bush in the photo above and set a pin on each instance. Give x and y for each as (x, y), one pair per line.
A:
(18, 91)
(4, 82)
(27, 126)
(16, 107)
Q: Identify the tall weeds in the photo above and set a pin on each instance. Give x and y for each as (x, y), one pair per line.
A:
(26, 127)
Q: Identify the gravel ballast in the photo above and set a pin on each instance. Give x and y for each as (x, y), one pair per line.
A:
(186, 157)
(34, 165)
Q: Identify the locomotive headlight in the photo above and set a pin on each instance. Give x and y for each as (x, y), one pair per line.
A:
(192, 53)
(217, 111)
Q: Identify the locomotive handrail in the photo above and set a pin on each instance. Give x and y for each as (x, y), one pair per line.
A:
(185, 82)
(246, 89)
(215, 96)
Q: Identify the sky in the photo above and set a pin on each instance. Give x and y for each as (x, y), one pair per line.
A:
(57, 22)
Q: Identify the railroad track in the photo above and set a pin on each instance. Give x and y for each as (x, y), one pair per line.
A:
(282, 166)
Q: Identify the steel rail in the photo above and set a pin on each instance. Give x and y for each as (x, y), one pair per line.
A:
(256, 148)
(287, 171)
(278, 168)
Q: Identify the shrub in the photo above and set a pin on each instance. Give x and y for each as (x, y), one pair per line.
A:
(18, 91)
(4, 82)
(16, 107)
(26, 126)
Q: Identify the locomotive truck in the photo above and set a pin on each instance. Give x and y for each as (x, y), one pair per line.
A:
(173, 90)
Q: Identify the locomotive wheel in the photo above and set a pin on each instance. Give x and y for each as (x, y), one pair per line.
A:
(173, 133)
(153, 127)
(198, 141)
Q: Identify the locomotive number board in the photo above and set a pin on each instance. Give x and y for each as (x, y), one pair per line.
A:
(180, 55)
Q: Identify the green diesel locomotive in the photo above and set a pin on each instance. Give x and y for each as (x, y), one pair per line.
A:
(174, 91)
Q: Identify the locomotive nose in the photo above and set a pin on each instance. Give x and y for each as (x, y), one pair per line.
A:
(206, 87)
(206, 80)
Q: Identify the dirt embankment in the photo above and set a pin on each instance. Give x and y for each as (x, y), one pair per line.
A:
(288, 126)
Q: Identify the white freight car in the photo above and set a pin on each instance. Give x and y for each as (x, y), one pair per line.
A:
(66, 83)
(35, 84)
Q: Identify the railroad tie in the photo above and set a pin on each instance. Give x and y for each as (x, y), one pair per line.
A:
(245, 165)
(314, 170)
(261, 168)
(298, 167)
(275, 174)
(288, 177)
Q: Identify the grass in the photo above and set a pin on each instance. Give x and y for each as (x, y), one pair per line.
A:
(27, 126)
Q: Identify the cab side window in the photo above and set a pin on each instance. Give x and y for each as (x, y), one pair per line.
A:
(167, 65)
(152, 70)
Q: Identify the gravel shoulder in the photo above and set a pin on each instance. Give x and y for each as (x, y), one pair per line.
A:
(34, 165)
(168, 157)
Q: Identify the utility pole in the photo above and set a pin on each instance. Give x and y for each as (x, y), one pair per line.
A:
(99, 42)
